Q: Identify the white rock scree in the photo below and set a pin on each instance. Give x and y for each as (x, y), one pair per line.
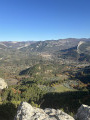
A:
(27, 112)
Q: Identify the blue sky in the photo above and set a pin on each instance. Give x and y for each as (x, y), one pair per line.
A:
(22, 20)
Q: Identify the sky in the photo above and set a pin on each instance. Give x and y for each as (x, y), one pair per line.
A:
(23, 20)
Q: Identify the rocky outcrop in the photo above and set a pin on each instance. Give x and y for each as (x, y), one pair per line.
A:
(79, 44)
(3, 84)
(83, 113)
(27, 112)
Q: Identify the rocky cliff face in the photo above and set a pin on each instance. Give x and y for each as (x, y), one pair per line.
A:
(83, 113)
(3, 84)
(27, 112)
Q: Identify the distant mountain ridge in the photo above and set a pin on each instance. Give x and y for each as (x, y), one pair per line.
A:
(14, 44)
(80, 52)
(84, 47)
(52, 46)
(71, 48)
(42, 46)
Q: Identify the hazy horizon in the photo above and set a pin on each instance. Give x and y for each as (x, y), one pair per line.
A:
(41, 40)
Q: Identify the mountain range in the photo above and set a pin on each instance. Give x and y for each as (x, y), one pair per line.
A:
(71, 48)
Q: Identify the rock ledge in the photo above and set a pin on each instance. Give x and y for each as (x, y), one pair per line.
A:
(27, 112)
(83, 113)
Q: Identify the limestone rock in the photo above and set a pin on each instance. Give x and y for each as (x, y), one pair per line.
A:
(27, 112)
(83, 113)
(3, 84)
